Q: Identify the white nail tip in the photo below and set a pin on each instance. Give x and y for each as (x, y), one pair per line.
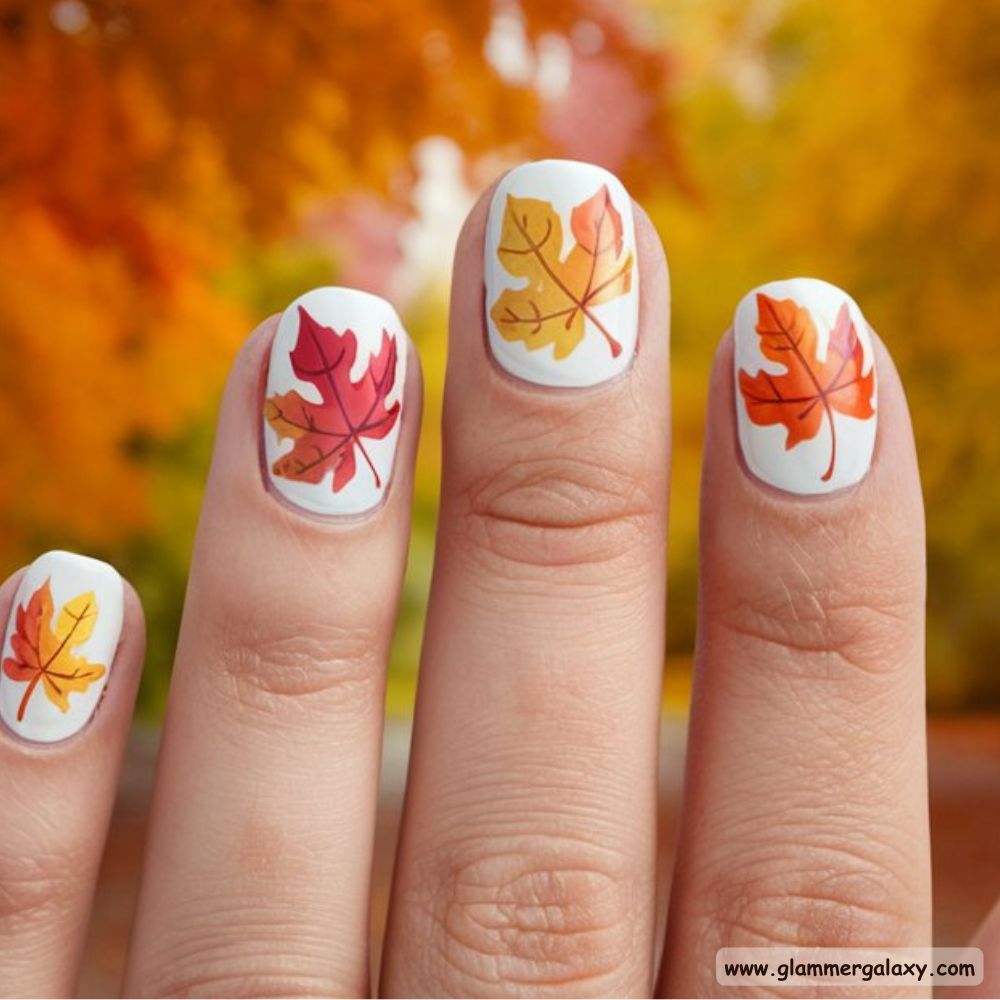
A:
(806, 392)
(59, 646)
(333, 405)
(562, 279)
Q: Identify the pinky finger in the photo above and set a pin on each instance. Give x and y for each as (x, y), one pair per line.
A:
(987, 939)
(71, 658)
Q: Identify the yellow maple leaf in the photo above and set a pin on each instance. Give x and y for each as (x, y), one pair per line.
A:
(43, 652)
(558, 301)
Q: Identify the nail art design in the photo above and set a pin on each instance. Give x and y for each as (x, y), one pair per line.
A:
(59, 645)
(562, 295)
(334, 400)
(805, 386)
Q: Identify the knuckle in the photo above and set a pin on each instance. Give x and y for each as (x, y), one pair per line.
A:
(32, 886)
(266, 662)
(558, 509)
(219, 948)
(828, 620)
(838, 899)
(237, 983)
(543, 914)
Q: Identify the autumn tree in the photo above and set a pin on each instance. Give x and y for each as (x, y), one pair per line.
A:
(150, 155)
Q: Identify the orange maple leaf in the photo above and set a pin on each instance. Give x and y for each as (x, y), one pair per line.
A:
(43, 648)
(560, 296)
(810, 390)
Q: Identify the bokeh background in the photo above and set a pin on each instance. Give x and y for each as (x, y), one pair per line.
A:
(172, 173)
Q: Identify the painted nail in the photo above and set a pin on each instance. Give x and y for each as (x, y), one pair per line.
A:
(334, 401)
(562, 286)
(59, 645)
(805, 386)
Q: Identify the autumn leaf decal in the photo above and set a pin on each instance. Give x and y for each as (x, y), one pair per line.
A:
(810, 391)
(330, 434)
(43, 648)
(560, 296)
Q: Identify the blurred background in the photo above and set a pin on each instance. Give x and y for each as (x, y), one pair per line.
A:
(170, 175)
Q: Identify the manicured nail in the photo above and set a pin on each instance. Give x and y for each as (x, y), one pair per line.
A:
(805, 386)
(562, 286)
(334, 400)
(59, 645)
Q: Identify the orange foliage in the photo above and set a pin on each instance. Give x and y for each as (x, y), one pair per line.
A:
(143, 146)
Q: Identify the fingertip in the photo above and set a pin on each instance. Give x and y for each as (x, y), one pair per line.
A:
(400, 487)
(236, 451)
(7, 591)
(469, 245)
(653, 259)
(654, 290)
(894, 478)
(720, 421)
(893, 406)
(92, 619)
(636, 326)
(134, 620)
(247, 364)
(893, 470)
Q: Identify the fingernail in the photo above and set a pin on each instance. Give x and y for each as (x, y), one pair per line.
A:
(562, 286)
(59, 645)
(805, 386)
(334, 401)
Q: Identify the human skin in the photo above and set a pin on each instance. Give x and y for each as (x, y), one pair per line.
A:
(527, 857)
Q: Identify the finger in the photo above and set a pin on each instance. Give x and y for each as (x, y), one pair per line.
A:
(526, 862)
(987, 940)
(256, 878)
(72, 655)
(805, 811)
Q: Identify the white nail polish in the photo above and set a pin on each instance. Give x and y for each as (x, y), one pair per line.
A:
(806, 393)
(333, 406)
(59, 645)
(562, 281)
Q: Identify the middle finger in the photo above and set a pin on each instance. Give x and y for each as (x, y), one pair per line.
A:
(527, 854)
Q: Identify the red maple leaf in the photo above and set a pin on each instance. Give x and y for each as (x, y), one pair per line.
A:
(327, 434)
(811, 390)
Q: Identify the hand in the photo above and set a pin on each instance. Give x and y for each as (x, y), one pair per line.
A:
(527, 858)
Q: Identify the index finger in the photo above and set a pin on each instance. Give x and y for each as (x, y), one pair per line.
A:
(256, 880)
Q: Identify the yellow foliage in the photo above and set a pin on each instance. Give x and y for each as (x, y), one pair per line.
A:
(857, 142)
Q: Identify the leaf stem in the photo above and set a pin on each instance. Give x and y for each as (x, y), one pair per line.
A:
(355, 438)
(44, 667)
(32, 684)
(833, 441)
(820, 391)
(616, 348)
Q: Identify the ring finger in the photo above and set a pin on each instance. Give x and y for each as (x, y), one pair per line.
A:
(805, 812)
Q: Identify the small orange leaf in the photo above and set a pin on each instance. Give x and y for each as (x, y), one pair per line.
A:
(43, 648)
(810, 390)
